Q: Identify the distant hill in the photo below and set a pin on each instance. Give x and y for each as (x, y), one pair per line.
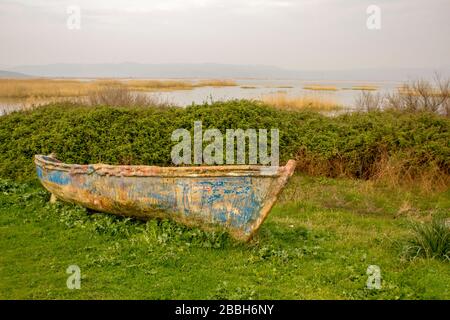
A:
(10, 74)
(137, 70)
(213, 70)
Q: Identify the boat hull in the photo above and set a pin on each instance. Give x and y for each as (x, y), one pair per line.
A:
(236, 198)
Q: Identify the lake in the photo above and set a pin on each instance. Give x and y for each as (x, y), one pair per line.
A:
(246, 89)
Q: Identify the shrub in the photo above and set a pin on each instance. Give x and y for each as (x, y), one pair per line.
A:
(362, 145)
(415, 96)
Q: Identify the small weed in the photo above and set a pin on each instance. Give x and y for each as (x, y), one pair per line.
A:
(225, 292)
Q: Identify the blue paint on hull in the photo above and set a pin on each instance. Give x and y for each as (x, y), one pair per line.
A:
(238, 198)
(58, 177)
(232, 202)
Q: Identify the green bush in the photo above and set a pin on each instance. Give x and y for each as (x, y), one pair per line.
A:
(80, 134)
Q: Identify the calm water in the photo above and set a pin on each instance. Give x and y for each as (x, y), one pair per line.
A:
(263, 87)
(259, 88)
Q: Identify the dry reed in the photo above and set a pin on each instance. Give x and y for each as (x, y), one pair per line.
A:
(281, 100)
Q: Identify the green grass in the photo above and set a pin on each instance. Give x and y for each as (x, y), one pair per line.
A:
(316, 244)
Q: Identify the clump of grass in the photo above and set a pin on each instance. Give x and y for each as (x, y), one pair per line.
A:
(396, 171)
(365, 88)
(281, 100)
(429, 240)
(146, 85)
(320, 88)
(216, 83)
(150, 85)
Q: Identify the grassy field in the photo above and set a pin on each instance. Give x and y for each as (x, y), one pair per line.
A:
(369, 188)
(316, 244)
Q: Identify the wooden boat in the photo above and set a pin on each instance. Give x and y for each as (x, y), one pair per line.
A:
(236, 197)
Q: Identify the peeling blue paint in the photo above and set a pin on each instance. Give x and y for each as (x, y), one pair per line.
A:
(232, 201)
(39, 172)
(211, 197)
(58, 177)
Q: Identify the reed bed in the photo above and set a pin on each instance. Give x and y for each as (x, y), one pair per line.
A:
(282, 100)
(365, 88)
(158, 85)
(320, 88)
(44, 88)
(216, 83)
(47, 88)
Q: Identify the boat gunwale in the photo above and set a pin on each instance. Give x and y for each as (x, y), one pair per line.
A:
(51, 163)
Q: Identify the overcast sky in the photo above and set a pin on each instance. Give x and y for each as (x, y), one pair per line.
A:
(303, 34)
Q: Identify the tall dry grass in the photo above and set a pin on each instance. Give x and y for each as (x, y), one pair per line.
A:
(123, 97)
(160, 85)
(391, 171)
(216, 83)
(320, 88)
(399, 172)
(283, 101)
(46, 88)
(365, 88)
(43, 88)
